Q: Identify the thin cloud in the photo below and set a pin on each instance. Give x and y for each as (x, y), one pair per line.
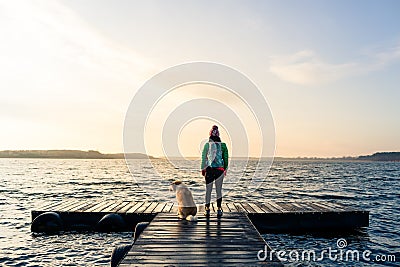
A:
(61, 79)
(43, 37)
(387, 56)
(307, 68)
(52, 57)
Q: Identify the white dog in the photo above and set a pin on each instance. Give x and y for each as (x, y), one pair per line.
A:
(186, 207)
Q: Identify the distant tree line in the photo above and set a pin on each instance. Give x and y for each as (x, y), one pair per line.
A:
(382, 156)
(67, 154)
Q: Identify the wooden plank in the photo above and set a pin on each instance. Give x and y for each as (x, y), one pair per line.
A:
(273, 207)
(127, 207)
(232, 207)
(143, 207)
(318, 208)
(232, 230)
(98, 206)
(184, 249)
(194, 258)
(202, 221)
(76, 205)
(120, 206)
(211, 241)
(104, 206)
(200, 245)
(204, 262)
(77, 208)
(150, 249)
(66, 204)
(343, 207)
(266, 208)
(174, 259)
(159, 207)
(135, 207)
(225, 207)
(90, 205)
(333, 206)
(50, 206)
(239, 207)
(247, 207)
(188, 257)
(303, 207)
(167, 207)
(288, 207)
(194, 254)
(111, 207)
(150, 208)
(174, 208)
(279, 207)
(196, 239)
(255, 207)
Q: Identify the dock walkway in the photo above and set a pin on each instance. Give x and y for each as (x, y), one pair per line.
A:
(233, 240)
(230, 241)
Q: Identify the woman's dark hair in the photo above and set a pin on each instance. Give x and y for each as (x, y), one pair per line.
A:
(215, 138)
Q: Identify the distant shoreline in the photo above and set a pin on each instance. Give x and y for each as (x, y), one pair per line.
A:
(67, 154)
(92, 154)
(378, 156)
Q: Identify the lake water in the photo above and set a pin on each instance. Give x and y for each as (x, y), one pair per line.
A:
(29, 183)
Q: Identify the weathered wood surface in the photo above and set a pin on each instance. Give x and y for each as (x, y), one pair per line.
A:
(229, 241)
(266, 216)
(125, 206)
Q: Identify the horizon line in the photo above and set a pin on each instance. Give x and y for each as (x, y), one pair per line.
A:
(197, 156)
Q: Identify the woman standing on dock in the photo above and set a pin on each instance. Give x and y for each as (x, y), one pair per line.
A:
(214, 165)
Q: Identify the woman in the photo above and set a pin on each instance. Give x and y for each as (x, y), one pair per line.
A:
(214, 165)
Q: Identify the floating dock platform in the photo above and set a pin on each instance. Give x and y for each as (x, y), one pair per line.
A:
(233, 240)
(267, 216)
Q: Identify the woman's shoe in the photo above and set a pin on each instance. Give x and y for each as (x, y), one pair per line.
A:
(207, 212)
(219, 213)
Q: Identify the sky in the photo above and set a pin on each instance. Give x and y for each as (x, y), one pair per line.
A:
(329, 70)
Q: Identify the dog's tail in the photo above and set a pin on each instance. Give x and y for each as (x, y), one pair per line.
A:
(191, 218)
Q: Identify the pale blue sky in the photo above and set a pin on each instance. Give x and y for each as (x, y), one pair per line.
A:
(329, 69)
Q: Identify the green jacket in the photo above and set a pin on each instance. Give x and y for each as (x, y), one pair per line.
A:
(220, 157)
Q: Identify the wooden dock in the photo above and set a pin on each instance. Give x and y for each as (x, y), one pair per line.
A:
(267, 216)
(233, 240)
(230, 241)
